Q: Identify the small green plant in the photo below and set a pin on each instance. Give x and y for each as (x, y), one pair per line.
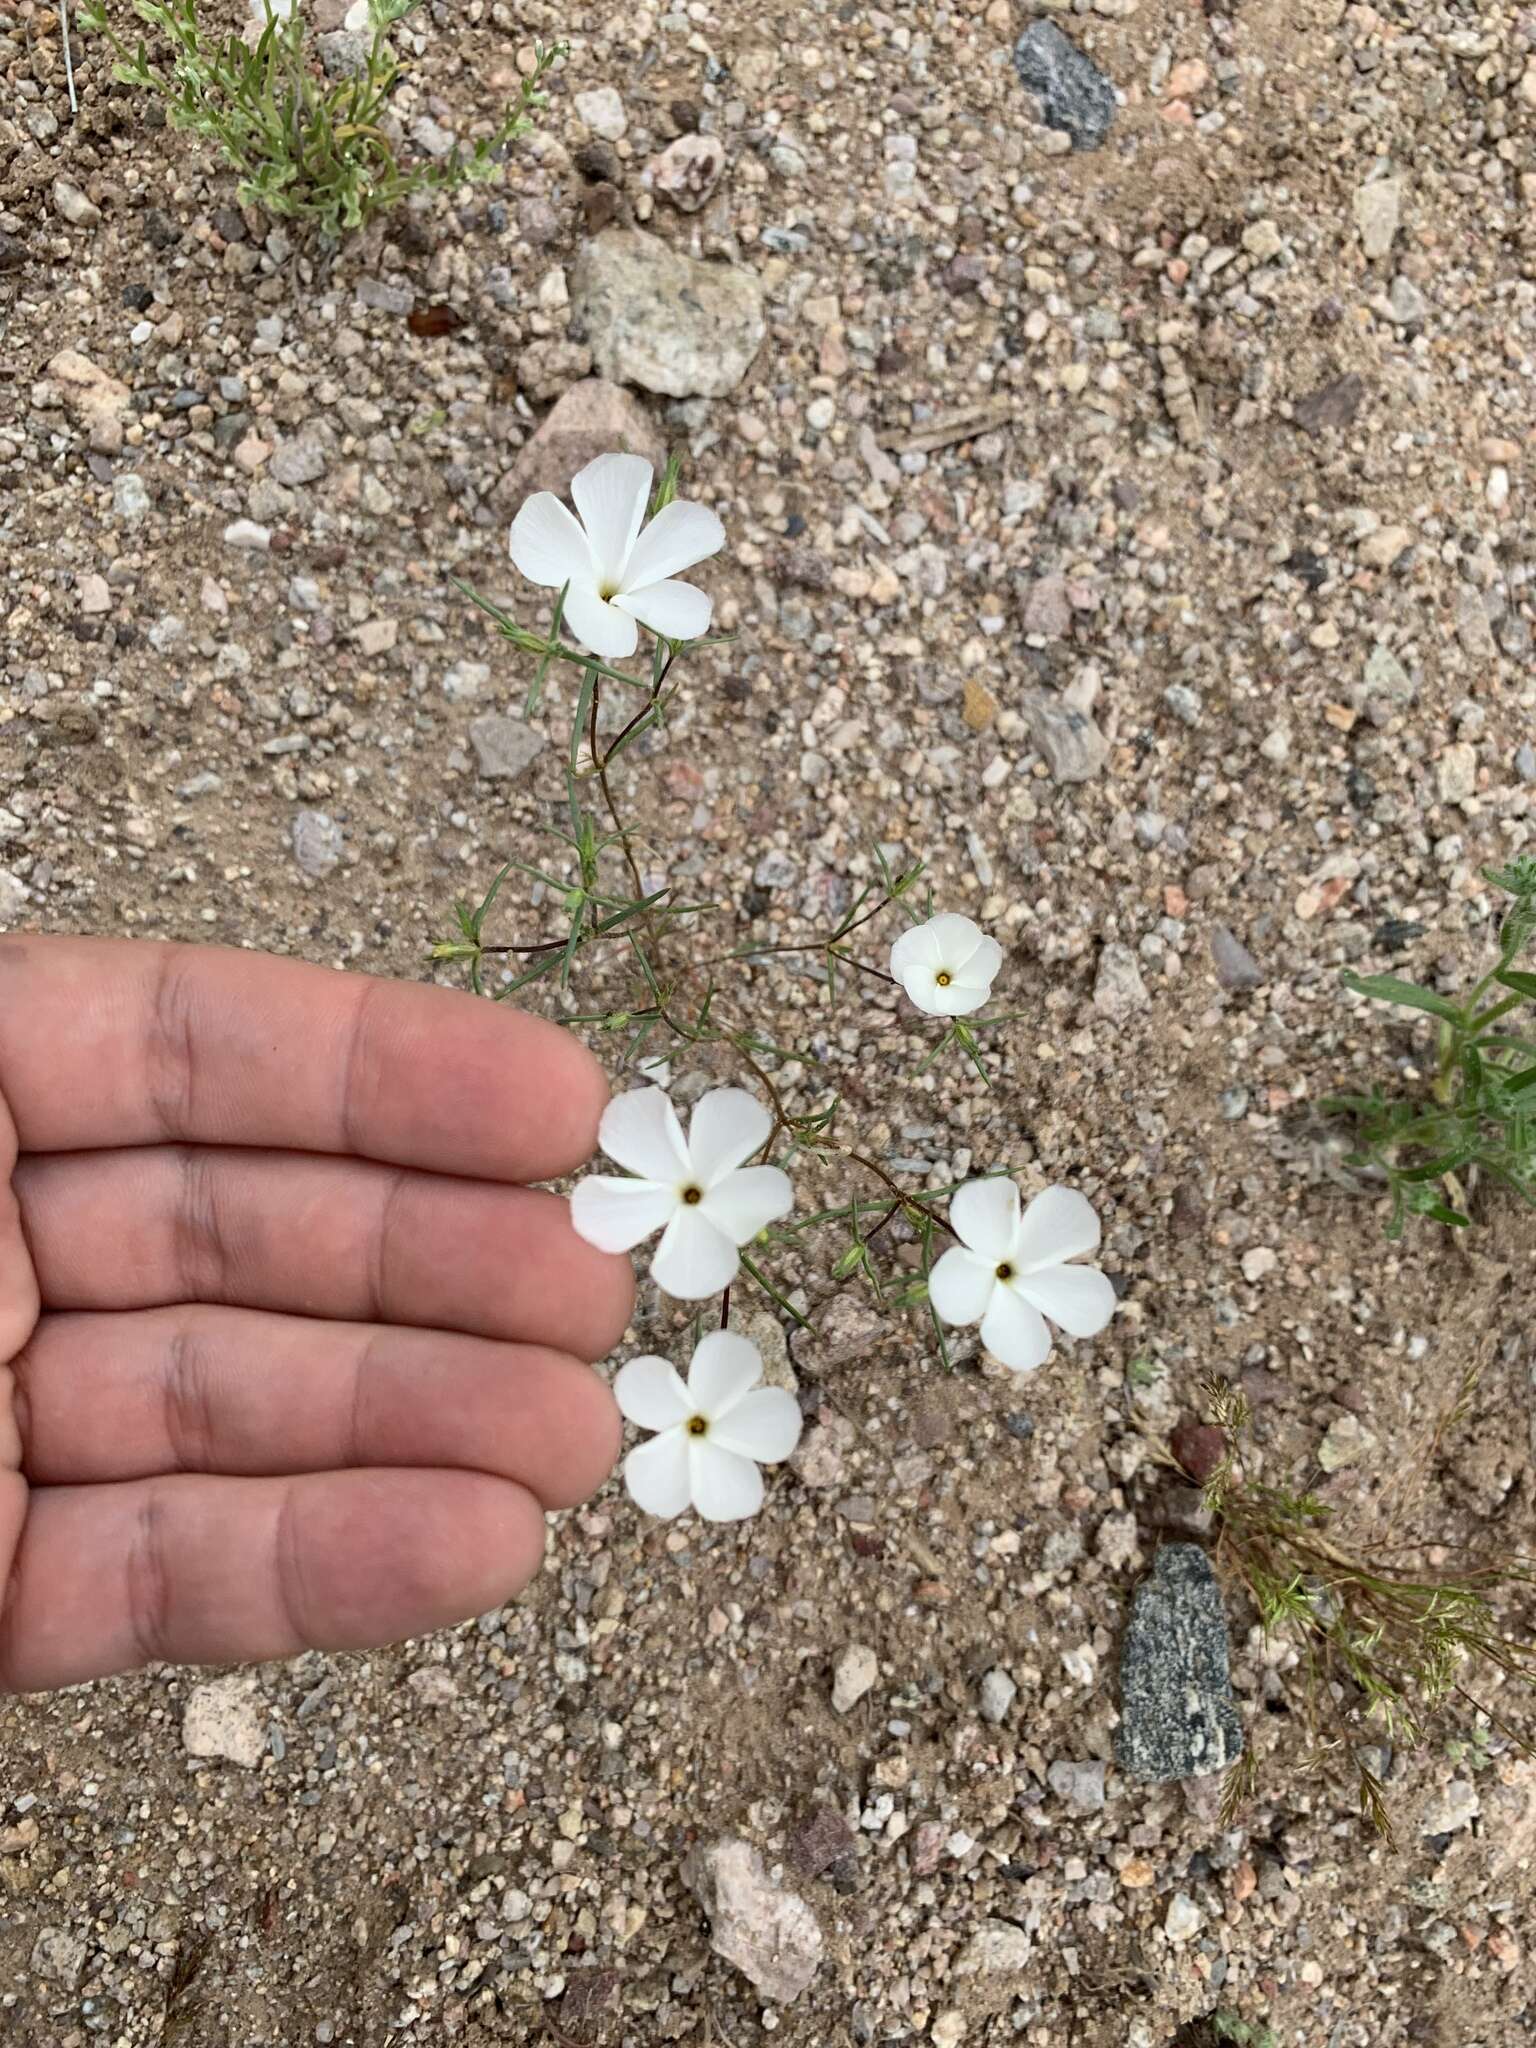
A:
(1382, 1642)
(306, 147)
(1244, 2033)
(1479, 1113)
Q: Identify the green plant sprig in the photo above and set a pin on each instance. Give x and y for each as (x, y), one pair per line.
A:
(306, 147)
(1480, 1114)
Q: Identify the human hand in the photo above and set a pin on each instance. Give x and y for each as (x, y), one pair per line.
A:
(289, 1356)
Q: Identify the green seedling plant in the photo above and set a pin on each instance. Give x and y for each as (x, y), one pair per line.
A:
(1477, 1116)
(306, 147)
(637, 959)
(1384, 1640)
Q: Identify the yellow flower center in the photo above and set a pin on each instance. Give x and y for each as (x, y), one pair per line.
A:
(698, 1426)
(693, 1196)
(1005, 1271)
(943, 977)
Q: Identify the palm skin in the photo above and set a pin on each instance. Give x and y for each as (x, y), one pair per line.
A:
(290, 1351)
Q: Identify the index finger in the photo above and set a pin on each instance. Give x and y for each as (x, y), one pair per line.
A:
(112, 1042)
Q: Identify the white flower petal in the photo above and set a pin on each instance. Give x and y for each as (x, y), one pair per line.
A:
(616, 1215)
(1079, 1298)
(918, 946)
(1059, 1224)
(675, 610)
(960, 1285)
(659, 1474)
(725, 1366)
(694, 1259)
(725, 1488)
(727, 1126)
(640, 1132)
(917, 978)
(357, 16)
(1014, 1332)
(651, 1395)
(984, 1214)
(742, 1203)
(764, 1424)
(956, 1000)
(600, 627)
(955, 936)
(681, 534)
(611, 495)
(979, 969)
(549, 547)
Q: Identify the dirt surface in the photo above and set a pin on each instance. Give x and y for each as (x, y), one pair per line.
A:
(1302, 725)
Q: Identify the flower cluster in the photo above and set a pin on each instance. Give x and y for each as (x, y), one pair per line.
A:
(707, 1192)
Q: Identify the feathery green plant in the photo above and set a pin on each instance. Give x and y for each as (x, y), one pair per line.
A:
(306, 147)
(1479, 1115)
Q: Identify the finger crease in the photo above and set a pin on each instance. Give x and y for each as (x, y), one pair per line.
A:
(288, 1570)
(199, 1255)
(378, 1258)
(170, 1057)
(359, 1067)
(189, 1401)
(148, 1583)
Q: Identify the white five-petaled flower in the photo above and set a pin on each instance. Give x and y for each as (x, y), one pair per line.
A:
(947, 966)
(617, 573)
(1010, 1271)
(696, 1191)
(714, 1432)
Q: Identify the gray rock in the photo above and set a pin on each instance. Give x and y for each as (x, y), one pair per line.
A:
(344, 52)
(1048, 608)
(1235, 965)
(95, 398)
(13, 252)
(317, 842)
(58, 1955)
(996, 1949)
(1071, 745)
(301, 460)
(246, 533)
(1525, 762)
(465, 680)
(1178, 1718)
(1409, 306)
(1378, 210)
(592, 418)
(224, 1719)
(130, 500)
(14, 897)
(1081, 1785)
(1076, 96)
(1334, 404)
(769, 1934)
(665, 321)
(504, 747)
(1119, 991)
(431, 137)
(998, 1693)
(1450, 1809)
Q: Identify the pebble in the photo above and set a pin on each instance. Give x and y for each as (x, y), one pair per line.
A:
(998, 1693)
(246, 533)
(1118, 990)
(71, 204)
(1379, 550)
(855, 1673)
(997, 1948)
(589, 419)
(96, 398)
(505, 748)
(224, 1719)
(1331, 406)
(1450, 1809)
(769, 1934)
(302, 460)
(1346, 1442)
(1178, 1716)
(1077, 98)
(1235, 966)
(602, 110)
(317, 842)
(130, 499)
(1081, 1785)
(1071, 745)
(687, 171)
(1378, 209)
(1184, 1919)
(58, 1956)
(664, 320)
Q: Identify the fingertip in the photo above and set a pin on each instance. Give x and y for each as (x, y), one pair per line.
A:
(591, 1434)
(576, 1092)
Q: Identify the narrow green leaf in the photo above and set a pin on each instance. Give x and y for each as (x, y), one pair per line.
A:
(1515, 978)
(1387, 988)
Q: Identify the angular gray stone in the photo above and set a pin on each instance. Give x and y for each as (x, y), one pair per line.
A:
(301, 460)
(317, 842)
(769, 1934)
(504, 747)
(1119, 991)
(1334, 404)
(1178, 1718)
(996, 1949)
(225, 1719)
(58, 1955)
(687, 170)
(130, 498)
(1081, 1785)
(1078, 99)
(1235, 965)
(998, 1693)
(1071, 745)
(665, 321)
